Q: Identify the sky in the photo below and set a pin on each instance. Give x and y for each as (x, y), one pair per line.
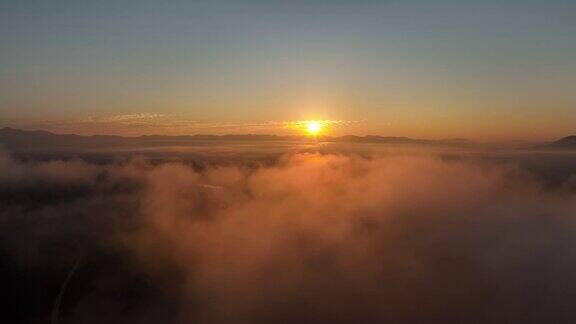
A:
(485, 70)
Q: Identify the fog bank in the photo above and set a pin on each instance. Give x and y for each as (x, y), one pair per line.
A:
(312, 238)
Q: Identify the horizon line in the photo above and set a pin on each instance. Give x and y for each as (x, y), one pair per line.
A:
(454, 140)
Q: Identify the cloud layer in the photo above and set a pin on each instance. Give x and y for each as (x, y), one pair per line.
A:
(309, 239)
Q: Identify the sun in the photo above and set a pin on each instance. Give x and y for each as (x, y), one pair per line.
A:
(313, 127)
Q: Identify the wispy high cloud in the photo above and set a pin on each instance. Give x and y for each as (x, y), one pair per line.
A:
(164, 124)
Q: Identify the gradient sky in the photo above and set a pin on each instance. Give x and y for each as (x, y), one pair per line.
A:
(489, 69)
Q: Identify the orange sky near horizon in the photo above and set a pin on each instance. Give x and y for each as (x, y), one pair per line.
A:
(531, 129)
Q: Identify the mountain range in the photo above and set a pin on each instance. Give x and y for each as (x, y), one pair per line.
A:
(17, 139)
(568, 142)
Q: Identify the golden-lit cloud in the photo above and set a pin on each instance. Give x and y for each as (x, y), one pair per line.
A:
(349, 237)
(171, 124)
(315, 126)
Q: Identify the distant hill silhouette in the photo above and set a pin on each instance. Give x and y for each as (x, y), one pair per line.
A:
(568, 142)
(17, 139)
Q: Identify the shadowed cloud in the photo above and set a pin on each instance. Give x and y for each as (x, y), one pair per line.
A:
(308, 239)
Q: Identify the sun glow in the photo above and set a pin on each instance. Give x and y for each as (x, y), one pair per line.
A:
(313, 127)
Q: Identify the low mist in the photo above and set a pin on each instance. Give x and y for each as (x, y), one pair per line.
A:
(309, 238)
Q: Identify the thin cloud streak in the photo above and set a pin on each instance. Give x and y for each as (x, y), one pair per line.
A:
(162, 124)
